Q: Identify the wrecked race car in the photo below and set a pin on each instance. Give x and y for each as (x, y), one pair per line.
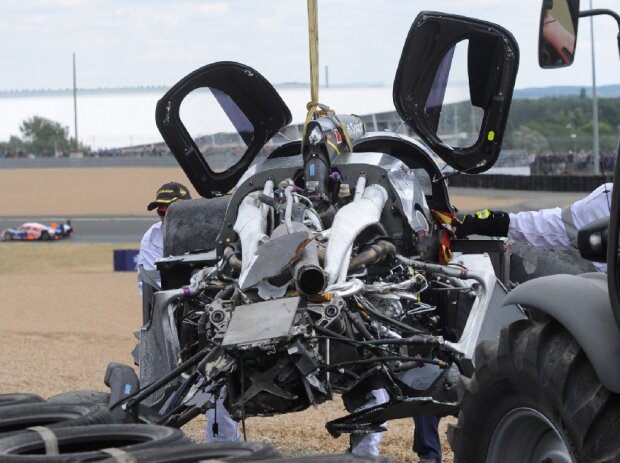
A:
(332, 266)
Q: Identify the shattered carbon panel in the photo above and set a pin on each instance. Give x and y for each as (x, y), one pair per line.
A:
(159, 343)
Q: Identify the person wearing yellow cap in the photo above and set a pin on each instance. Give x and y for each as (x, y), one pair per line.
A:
(220, 426)
(152, 244)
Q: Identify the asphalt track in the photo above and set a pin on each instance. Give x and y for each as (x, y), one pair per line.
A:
(128, 230)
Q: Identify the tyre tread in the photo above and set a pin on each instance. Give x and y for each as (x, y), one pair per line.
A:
(544, 353)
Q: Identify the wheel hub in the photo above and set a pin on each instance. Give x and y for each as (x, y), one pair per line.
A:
(526, 435)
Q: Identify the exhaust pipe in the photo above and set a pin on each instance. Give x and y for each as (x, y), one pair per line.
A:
(349, 222)
(374, 253)
(309, 277)
(251, 224)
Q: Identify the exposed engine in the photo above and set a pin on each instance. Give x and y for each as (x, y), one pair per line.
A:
(322, 286)
(333, 267)
(294, 297)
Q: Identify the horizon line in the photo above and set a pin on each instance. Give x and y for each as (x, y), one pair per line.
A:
(15, 93)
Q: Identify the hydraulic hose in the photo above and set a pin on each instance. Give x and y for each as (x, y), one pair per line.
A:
(439, 363)
(460, 273)
(391, 321)
(230, 256)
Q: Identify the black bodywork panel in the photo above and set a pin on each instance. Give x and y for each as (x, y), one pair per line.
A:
(249, 92)
(256, 112)
(421, 79)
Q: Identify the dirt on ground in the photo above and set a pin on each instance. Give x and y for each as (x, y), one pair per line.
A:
(84, 191)
(124, 191)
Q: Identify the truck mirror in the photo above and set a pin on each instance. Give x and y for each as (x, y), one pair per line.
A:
(557, 33)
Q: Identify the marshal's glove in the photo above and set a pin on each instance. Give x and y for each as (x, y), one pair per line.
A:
(485, 222)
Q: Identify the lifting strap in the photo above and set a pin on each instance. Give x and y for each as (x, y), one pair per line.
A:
(49, 439)
(314, 107)
(120, 456)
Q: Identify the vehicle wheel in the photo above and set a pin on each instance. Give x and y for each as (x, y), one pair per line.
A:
(217, 451)
(79, 397)
(18, 417)
(87, 442)
(45, 236)
(193, 225)
(19, 399)
(7, 236)
(535, 397)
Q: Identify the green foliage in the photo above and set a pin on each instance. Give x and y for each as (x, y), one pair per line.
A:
(42, 137)
(564, 124)
(14, 146)
(527, 138)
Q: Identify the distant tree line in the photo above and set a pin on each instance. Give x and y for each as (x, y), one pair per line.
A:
(42, 137)
(542, 126)
(562, 124)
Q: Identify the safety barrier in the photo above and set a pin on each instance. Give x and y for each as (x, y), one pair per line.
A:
(530, 182)
(125, 260)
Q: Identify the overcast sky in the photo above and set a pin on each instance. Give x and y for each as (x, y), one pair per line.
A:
(156, 42)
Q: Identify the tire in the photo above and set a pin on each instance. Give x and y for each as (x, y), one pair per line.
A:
(219, 451)
(79, 397)
(45, 236)
(7, 236)
(19, 399)
(54, 415)
(534, 389)
(193, 225)
(86, 443)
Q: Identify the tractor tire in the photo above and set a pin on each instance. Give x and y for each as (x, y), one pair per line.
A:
(54, 415)
(193, 225)
(81, 397)
(535, 397)
(528, 262)
(217, 451)
(19, 399)
(88, 443)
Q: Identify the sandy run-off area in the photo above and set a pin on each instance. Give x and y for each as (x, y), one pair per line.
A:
(84, 191)
(126, 191)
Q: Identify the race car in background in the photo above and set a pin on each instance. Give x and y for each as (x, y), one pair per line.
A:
(33, 231)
